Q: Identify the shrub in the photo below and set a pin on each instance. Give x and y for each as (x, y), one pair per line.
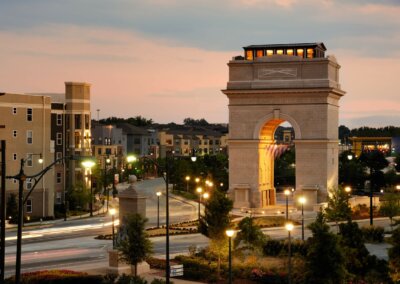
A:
(128, 279)
(57, 277)
(197, 269)
(373, 234)
(156, 263)
(281, 247)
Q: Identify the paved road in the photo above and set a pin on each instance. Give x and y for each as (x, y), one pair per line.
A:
(64, 244)
(71, 244)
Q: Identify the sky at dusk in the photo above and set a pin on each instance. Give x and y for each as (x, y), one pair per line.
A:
(166, 59)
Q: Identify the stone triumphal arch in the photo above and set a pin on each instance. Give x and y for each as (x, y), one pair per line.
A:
(271, 84)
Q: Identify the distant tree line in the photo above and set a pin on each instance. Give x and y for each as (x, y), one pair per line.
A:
(387, 131)
(136, 120)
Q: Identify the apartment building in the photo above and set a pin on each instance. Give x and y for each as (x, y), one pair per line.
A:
(47, 126)
(27, 135)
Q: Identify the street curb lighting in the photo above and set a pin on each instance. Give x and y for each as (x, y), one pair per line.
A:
(158, 193)
(187, 178)
(199, 191)
(289, 228)
(112, 212)
(88, 165)
(287, 193)
(230, 234)
(302, 201)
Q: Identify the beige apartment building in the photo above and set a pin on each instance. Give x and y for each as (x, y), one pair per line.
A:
(47, 126)
(27, 135)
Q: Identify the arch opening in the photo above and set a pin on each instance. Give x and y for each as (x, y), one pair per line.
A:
(276, 140)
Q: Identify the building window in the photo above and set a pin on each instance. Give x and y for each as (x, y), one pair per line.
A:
(279, 51)
(136, 141)
(29, 136)
(270, 52)
(58, 198)
(29, 114)
(260, 53)
(99, 151)
(300, 52)
(77, 140)
(249, 55)
(87, 121)
(289, 52)
(15, 132)
(28, 183)
(29, 160)
(14, 156)
(59, 119)
(29, 206)
(14, 110)
(59, 156)
(59, 138)
(58, 178)
(78, 122)
(310, 53)
(14, 180)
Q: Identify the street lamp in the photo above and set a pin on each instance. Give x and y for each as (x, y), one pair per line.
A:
(112, 212)
(166, 177)
(398, 187)
(230, 234)
(88, 164)
(287, 193)
(187, 178)
(22, 177)
(107, 161)
(289, 228)
(350, 157)
(199, 191)
(302, 201)
(197, 180)
(158, 193)
(206, 195)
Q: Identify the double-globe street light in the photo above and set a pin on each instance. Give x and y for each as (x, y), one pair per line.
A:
(22, 177)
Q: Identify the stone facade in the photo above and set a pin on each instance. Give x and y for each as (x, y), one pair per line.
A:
(262, 94)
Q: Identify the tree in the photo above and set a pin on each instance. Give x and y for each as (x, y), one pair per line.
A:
(375, 161)
(133, 242)
(215, 222)
(284, 173)
(394, 256)
(195, 122)
(351, 172)
(390, 205)
(324, 259)
(338, 205)
(250, 234)
(344, 133)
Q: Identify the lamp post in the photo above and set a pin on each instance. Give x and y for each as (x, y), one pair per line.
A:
(21, 177)
(112, 212)
(158, 193)
(287, 193)
(230, 234)
(289, 228)
(166, 177)
(347, 189)
(107, 161)
(187, 178)
(199, 191)
(88, 164)
(302, 201)
(3, 210)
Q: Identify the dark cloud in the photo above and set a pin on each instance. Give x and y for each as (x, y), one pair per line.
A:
(220, 25)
